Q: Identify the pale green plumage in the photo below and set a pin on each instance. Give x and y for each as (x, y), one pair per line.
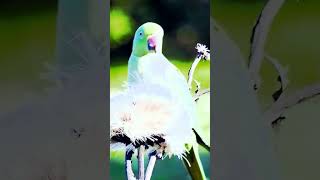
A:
(151, 66)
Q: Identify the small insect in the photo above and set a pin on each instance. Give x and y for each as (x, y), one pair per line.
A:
(77, 133)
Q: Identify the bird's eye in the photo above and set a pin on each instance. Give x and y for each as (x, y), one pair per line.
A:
(140, 35)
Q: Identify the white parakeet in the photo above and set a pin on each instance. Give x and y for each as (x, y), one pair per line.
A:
(157, 102)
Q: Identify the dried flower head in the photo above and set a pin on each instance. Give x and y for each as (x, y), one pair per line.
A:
(145, 110)
(203, 51)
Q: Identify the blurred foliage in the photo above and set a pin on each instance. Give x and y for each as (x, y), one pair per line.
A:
(120, 26)
(27, 42)
(11, 8)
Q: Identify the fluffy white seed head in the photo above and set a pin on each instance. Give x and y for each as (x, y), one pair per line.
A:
(144, 110)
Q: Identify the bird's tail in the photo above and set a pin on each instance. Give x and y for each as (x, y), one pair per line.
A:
(193, 163)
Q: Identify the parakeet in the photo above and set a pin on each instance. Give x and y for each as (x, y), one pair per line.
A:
(163, 104)
(148, 64)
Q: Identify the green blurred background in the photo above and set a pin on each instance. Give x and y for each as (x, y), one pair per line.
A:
(27, 35)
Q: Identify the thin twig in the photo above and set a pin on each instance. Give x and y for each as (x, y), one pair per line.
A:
(128, 165)
(200, 93)
(198, 87)
(282, 77)
(286, 101)
(141, 162)
(192, 69)
(152, 162)
(259, 35)
(282, 71)
(258, 39)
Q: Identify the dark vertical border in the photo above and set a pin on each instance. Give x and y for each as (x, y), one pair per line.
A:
(108, 86)
(212, 88)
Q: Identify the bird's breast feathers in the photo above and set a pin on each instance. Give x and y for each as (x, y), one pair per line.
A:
(154, 66)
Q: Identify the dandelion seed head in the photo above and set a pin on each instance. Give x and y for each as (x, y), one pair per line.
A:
(203, 51)
(144, 110)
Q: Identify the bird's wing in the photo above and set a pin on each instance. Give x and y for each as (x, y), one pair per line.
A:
(158, 69)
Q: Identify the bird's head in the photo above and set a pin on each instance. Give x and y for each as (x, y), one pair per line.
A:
(147, 39)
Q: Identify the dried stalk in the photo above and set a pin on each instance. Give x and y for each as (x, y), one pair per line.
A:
(202, 53)
(282, 77)
(282, 71)
(192, 69)
(287, 101)
(283, 101)
(259, 37)
(152, 161)
(200, 93)
(141, 162)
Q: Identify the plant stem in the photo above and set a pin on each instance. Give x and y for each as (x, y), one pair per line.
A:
(128, 165)
(152, 162)
(259, 37)
(193, 164)
(141, 162)
(192, 69)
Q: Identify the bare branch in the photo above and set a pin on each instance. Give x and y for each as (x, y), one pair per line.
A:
(197, 86)
(192, 69)
(200, 93)
(128, 165)
(258, 38)
(282, 77)
(141, 162)
(287, 101)
(282, 71)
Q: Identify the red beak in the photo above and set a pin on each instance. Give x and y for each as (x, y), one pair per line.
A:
(152, 43)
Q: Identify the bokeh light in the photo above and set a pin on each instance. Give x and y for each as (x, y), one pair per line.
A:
(120, 26)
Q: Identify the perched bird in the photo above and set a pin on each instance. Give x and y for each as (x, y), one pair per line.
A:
(157, 103)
